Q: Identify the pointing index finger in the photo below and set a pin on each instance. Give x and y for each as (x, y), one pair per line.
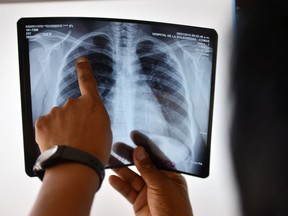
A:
(86, 80)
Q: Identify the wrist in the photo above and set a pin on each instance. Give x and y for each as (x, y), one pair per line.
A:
(73, 174)
(67, 189)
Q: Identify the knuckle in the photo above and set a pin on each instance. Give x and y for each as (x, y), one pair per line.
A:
(40, 123)
(146, 166)
(70, 101)
(54, 111)
(84, 77)
(87, 78)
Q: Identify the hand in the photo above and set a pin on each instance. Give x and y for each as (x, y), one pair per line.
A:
(159, 159)
(81, 123)
(155, 192)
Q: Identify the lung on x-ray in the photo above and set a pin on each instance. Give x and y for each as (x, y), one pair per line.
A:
(155, 78)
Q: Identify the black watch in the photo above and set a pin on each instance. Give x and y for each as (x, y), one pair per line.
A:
(61, 153)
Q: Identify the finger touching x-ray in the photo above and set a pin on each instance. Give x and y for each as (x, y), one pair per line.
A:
(152, 78)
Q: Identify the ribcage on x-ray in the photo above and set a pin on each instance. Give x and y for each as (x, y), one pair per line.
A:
(98, 49)
(141, 84)
(161, 71)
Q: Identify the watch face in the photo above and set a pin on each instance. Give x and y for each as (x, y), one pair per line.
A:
(48, 153)
(45, 155)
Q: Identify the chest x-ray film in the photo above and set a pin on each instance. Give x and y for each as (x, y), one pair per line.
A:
(156, 78)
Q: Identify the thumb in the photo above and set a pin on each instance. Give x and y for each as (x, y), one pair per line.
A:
(150, 174)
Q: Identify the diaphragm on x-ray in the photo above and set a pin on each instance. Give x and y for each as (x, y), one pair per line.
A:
(152, 77)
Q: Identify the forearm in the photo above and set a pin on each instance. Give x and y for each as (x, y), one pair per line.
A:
(67, 189)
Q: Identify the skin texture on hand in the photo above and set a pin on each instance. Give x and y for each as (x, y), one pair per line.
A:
(81, 123)
(153, 192)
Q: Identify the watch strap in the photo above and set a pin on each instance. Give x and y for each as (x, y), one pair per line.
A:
(69, 154)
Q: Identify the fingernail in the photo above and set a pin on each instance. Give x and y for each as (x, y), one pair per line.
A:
(82, 60)
(140, 154)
